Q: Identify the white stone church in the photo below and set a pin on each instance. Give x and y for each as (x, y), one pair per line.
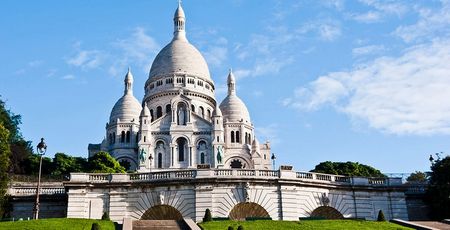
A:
(179, 123)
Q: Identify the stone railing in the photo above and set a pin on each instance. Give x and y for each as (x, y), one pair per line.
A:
(18, 190)
(178, 174)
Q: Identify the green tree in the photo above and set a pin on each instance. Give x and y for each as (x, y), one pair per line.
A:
(102, 162)
(417, 176)
(438, 192)
(64, 164)
(207, 216)
(32, 165)
(347, 169)
(381, 216)
(5, 152)
(20, 148)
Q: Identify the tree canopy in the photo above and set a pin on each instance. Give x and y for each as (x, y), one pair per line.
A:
(5, 153)
(438, 193)
(102, 162)
(417, 177)
(347, 169)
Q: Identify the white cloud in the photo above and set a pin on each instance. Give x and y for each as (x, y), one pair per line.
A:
(431, 23)
(86, 59)
(404, 95)
(367, 50)
(216, 55)
(388, 7)
(68, 77)
(368, 17)
(328, 30)
(268, 133)
(263, 67)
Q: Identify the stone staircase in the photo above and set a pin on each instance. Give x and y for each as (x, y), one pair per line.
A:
(160, 225)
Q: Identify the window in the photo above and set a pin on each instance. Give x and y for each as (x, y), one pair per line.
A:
(169, 80)
(152, 86)
(181, 148)
(193, 108)
(110, 138)
(128, 136)
(238, 137)
(151, 114)
(137, 137)
(202, 158)
(114, 137)
(159, 83)
(168, 109)
(158, 112)
(201, 112)
(232, 136)
(159, 160)
(209, 114)
(145, 139)
(122, 137)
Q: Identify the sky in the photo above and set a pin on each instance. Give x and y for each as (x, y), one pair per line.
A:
(332, 80)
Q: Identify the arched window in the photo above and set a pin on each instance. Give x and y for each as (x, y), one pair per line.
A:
(158, 112)
(246, 138)
(202, 158)
(151, 114)
(238, 137)
(159, 160)
(145, 139)
(168, 109)
(193, 108)
(181, 114)
(201, 111)
(122, 137)
(110, 138)
(232, 136)
(114, 137)
(128, 136)
(181, 142)
(209, 114)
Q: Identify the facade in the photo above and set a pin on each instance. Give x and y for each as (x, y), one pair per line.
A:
(192, 153)
(179, 123)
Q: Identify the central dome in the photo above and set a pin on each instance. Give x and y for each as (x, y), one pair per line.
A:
(179, 57)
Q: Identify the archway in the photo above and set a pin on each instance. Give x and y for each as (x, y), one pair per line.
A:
(236, 164)
(247, 209)
(162, 212)
(327, 213)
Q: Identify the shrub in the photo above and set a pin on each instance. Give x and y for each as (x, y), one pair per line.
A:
(95, 226)
(381, 216)
(230, 228)
(105, 216)
(207, 216)
(240, 227)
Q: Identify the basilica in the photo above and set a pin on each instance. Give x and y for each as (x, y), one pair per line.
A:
(179, 123)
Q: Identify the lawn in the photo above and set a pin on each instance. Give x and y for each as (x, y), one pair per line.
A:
(57, 223)
(304, 224)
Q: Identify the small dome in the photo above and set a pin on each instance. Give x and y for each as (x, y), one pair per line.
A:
(145, 111)
(234, 109)
(179, 56)
(217, 112)
(126, 109)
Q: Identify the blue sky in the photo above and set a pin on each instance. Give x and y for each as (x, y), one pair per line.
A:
(337, 80)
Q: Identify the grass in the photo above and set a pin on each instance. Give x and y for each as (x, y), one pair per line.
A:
(304, 224)
(57, 223)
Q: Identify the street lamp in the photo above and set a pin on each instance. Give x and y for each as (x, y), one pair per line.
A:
(41, 149)
(273, 160)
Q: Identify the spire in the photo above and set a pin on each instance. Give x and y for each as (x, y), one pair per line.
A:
(179, 23)
(231, 82)
(129, 82)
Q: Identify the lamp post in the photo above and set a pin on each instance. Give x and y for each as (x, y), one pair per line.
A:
(41, 149)
(273, 160)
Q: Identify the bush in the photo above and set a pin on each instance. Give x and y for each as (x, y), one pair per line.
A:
(240, 227)
(381, 216)
(105, 216)
(230, 228)
(95, 226)
(207, 216)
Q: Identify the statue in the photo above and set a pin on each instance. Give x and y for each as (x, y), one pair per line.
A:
(325, 199)
(247, 192)
(161, 197)
(142, 156)
(219, 154)
(181, 116)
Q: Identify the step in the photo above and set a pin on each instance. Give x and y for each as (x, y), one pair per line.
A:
(159, 224)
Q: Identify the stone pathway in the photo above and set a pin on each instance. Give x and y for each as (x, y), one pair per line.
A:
(159, 225)
(433, 224)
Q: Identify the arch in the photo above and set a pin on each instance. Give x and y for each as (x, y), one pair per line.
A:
(232, 136)
(151, 115)
(122, 137)
(158, 112)
(128, 137)
(236, 164)
(201, 111)
(182, 114)
(238, 137)
(125, 163)
(162, 212)
(193, 108)
(209, 114)
(326, 212)
(247, 209)
(168, 109)
(182, 144)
